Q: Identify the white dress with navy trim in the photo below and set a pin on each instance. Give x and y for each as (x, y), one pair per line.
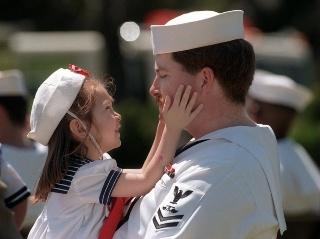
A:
(78, 204)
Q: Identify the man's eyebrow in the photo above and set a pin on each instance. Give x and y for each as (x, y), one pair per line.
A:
(158, 69)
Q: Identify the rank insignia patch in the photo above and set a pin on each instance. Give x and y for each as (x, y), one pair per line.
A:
(177, 207)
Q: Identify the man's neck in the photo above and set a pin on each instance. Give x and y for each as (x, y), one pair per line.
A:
(224, 116)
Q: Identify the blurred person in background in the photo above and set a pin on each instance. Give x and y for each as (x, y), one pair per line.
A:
(276, 100)
(26, 157)
(8, 228)
(13, 200)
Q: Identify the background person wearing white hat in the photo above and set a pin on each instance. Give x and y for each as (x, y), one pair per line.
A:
(276, 100)
(26, 157)
(226, 183)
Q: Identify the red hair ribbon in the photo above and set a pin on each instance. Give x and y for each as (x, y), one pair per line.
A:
(79, 70)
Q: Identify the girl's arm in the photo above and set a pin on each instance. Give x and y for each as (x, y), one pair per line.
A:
(176, 118)
(152, 151)
(156, 142)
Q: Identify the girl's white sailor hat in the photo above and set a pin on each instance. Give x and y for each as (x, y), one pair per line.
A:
(197, 29)
(53, 99)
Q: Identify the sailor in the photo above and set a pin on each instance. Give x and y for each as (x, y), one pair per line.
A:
(225, 183)
(26, 157)
(277, 100)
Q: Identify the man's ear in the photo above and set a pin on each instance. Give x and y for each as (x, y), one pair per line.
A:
(206, 77)
(77, 129)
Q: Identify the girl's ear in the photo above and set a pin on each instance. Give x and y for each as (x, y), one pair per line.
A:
(77, 129)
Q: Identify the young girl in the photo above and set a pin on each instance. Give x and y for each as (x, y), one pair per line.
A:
(73, 114)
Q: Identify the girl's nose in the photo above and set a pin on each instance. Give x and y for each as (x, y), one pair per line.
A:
(118, 116)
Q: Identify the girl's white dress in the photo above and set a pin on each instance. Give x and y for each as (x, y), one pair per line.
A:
(78, 204)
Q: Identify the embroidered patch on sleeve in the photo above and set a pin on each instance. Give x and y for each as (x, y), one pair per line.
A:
(177, 207)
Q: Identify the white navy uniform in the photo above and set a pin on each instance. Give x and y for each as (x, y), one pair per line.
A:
(28, 162)
(78, 204)
(17, 190)
(225, 187)
(300, 179)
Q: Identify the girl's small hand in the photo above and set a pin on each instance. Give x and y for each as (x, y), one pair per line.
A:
(180, 113)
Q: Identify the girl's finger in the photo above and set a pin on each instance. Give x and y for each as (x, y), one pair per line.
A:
(191, 102)
(185, 97)
(177, 97)
(196, 112)
(166, 105)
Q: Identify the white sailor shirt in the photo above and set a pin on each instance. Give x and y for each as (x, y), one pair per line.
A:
(78, 204)
(300, 179)
(225, 187)
(28, 162)
(17, 190)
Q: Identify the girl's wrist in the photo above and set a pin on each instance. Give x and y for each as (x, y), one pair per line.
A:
(173, 129)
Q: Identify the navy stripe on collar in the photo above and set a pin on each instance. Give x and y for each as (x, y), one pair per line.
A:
(187, 146)
(75, 162)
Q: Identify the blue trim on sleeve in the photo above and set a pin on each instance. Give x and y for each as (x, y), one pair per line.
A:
(108, 186)
(17, 197)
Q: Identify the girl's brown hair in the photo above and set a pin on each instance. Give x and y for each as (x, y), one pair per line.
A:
(62, 144)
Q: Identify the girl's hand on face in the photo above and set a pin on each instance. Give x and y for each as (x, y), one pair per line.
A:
(180, 113)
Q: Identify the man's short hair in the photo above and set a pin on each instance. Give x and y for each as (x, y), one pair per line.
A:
(232, 62)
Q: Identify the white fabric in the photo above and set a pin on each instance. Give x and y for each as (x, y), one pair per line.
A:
(234, 179)
(28, 162)
(53, 99)
(300, 179)
(279, 89)
(12, 83)
(77, 214)
(16, 189)
(197, 29)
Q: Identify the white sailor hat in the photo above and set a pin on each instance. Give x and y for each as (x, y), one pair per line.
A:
(53, 99)
(12, 83)
(197, 29)
(279, 89)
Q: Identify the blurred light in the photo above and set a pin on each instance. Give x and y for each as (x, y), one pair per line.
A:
(129, 31)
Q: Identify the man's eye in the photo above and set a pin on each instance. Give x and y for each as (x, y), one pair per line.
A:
(162, 76)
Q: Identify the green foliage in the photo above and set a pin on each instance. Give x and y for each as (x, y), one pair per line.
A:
(139, 120)
(306, 129)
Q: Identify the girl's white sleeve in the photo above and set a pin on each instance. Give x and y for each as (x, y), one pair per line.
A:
(95, 181)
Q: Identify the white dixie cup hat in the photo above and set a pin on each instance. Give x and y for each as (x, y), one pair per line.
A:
(197, 29)
(52, 101)
(280, 90)
(12, 83)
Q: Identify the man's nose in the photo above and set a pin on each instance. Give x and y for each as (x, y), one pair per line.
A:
(154, 89)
